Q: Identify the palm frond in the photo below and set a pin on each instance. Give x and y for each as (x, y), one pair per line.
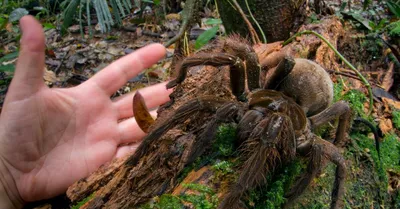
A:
(68, 15)
(120, 9)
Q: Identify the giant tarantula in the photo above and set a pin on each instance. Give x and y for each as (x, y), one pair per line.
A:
(275, 114)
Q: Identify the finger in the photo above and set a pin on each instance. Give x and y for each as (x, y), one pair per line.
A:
(28, 77)
(111, 78)
(153, 96)
(130, 131)
(125, 150)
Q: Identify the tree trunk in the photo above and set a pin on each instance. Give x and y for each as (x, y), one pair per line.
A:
(277, 18)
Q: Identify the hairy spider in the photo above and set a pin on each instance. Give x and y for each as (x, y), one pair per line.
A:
(275, 114)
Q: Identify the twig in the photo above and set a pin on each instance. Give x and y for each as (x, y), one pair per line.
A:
(256, 22)
(351, 76)
(253, 33)
(363, 79)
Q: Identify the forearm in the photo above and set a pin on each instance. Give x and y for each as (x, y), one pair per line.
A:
(9, 195)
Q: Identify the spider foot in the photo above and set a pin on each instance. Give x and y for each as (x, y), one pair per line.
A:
(320, 152)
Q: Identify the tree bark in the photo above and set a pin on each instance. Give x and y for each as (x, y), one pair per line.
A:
(277, 18)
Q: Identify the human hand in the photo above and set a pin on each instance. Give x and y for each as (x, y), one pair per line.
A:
(49, 138)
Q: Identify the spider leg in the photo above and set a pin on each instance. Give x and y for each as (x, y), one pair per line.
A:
(237, 70)
(313, 168)
(247, 124)
(283, 69)
(340, 109)
(269, 143)
(209, 104)
(241, 48)
(141, 113)
(226, 113)
(322, 150)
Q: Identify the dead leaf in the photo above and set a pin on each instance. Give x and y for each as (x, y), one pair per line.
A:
(385, 125)
(49, 76)
(9, 27)
(390, 102)
(388, 78)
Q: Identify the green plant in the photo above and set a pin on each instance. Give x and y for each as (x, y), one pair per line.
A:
(166, 201)
(8, 67)
(224, 140)
(394, 28)
(396, 119)
(394, 7)
(104, 17)
(272, 195)
(80, 203)
(204, 198)
(356, 100)
(207, 35)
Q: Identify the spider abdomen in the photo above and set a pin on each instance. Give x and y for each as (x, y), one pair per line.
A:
(309, 85)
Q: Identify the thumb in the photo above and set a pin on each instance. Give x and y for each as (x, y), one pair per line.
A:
(28, 77)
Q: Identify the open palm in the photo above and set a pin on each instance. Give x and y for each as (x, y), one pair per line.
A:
(53, 137)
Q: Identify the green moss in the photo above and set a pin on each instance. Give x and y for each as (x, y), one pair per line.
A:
(390, 150)
(223, 146)
(272, 195)
(205, 198)
(356, 100)
(82, 202)
(223, 170)
(337, 91)
(397, 200)
(224, 142)
(390, 159)
(354, 97)
(396, 119)
(166, 201)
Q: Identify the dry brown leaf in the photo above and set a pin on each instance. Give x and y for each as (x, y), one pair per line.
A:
(388, 78)
(390, 102)
(9, 27)
(49, 76)
(385, 125)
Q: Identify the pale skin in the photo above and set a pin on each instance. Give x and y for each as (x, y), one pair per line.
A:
(49, 137)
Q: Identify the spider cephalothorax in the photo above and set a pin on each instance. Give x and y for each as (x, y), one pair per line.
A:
(271, 111)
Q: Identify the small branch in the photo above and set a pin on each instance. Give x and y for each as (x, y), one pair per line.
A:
(350, 76)
(256, 22)
(252, 31)
(363, 79)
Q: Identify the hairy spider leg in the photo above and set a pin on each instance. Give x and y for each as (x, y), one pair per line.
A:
(340, 109)
(278, 74)
(271, 142)
(227, 113)
(317, 147)
(237, 69)
(240, 47)
(209, 104)
(321, 151)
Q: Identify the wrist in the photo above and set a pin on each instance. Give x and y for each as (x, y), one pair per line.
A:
(9, 195)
